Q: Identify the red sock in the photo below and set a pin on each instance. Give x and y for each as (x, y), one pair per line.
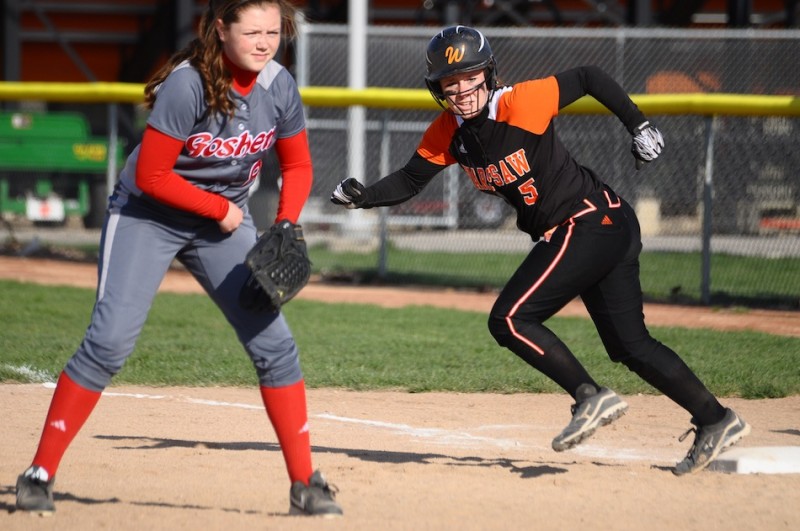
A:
(286, 408)
(69, 409)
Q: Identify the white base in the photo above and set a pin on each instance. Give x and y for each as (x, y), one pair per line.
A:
(759, 460)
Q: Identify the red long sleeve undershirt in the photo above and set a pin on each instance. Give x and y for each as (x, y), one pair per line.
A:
(297, 175)
(156, 178)
(158, 153)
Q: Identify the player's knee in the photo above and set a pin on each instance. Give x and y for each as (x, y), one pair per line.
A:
(656, 362)
(90, 370)
(632, 352)
(499, 328)
(278, 365)
(280, 374)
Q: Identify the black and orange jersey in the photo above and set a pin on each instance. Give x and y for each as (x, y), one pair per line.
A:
(511, 149)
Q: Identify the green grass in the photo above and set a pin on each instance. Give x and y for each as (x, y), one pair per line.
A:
(665, 276)
(186, 341)
(747, 280)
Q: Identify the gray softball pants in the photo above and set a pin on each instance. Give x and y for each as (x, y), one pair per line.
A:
(137, 247)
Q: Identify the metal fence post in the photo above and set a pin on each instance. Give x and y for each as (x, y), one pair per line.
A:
(113, 137)
(383, 212)
(708, 201)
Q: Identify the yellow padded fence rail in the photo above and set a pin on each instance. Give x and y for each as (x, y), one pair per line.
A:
(392, 98)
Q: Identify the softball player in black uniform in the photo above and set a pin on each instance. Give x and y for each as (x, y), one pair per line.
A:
(589, 241)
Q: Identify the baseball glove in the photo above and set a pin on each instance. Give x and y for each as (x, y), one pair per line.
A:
(279, 268)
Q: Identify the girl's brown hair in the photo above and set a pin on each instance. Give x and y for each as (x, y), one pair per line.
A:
(205, 52)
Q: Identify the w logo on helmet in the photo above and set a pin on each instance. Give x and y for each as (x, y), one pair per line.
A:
(454, 55)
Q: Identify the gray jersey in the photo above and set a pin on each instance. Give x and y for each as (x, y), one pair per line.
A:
(220, 154)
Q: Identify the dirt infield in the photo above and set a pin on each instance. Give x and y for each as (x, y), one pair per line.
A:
(182, 458)
(167, 458)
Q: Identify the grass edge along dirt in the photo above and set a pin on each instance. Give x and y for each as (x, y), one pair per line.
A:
(186, 342)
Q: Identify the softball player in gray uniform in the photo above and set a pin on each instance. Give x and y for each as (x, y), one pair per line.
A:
(183, 195)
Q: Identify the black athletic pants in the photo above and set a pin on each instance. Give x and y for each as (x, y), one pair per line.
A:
(595, 255)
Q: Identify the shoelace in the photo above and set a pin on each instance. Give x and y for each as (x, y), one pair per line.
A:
(690, 453)
(331, 489)
(683, 437)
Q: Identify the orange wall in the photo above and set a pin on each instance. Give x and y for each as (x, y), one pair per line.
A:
(49, 62)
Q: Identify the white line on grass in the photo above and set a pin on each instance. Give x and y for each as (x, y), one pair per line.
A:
(29, 373)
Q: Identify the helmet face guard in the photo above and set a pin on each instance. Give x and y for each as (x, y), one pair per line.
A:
(458, 50)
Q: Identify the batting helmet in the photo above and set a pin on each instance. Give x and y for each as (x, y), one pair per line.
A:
(456, 50)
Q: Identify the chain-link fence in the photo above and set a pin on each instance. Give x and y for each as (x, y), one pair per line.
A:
(740, 169)
(444, 235)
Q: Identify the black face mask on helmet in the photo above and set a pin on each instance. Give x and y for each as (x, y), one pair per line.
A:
(457, 50)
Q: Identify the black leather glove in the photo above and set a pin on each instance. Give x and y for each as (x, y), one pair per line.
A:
(279, 268)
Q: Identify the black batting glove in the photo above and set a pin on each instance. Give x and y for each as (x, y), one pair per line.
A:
(647, 144)
(349, 193)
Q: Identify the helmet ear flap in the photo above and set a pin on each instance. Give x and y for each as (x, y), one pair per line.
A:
(491, 74)
(435, 88)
